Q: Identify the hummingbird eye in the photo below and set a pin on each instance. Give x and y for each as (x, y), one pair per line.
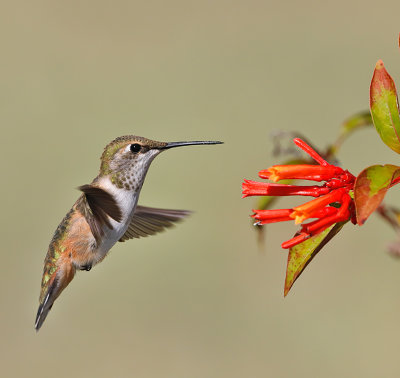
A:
(135, 148)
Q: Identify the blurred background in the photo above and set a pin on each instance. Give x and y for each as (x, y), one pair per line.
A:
(201, 300)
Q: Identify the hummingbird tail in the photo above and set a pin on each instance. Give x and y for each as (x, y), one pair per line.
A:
(57, 283)
(45, 306)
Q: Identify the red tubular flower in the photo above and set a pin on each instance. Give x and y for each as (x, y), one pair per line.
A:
(254, 188)
(272, 216)
(301, 171)
(303, 212)
(332, 204)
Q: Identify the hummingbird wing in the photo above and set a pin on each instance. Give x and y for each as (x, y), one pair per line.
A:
(97, 204)
(149, 221)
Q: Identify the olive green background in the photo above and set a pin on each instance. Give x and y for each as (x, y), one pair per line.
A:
(200, 300)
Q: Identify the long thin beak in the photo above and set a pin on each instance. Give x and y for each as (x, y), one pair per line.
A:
(180, 144)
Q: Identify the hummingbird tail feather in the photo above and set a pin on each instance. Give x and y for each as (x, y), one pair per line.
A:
(45, 306)
(61, 278)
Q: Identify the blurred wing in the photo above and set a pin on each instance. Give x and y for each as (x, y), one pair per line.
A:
(149, 221)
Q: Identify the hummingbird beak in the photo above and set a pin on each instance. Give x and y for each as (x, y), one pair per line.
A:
(193, 143)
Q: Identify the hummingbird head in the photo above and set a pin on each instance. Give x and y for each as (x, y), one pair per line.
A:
(127, 158)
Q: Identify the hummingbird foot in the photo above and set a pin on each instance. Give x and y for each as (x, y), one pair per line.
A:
(86, 267)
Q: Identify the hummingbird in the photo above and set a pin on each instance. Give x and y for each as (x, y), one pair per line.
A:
(105, 213)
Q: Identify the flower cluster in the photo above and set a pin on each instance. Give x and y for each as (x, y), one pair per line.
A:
(332, 204)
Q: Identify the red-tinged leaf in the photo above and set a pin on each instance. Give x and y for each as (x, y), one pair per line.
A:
(302, 254)
(370, 188)
(384, 107)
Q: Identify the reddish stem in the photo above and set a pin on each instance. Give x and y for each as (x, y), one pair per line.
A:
(395, 181)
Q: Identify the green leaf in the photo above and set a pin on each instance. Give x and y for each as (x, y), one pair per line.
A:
(350, 125)
(370, 188)
(384, 107)
(355, 122)
(301, 255)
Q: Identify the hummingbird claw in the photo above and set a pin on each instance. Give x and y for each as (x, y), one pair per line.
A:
(86, 267)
